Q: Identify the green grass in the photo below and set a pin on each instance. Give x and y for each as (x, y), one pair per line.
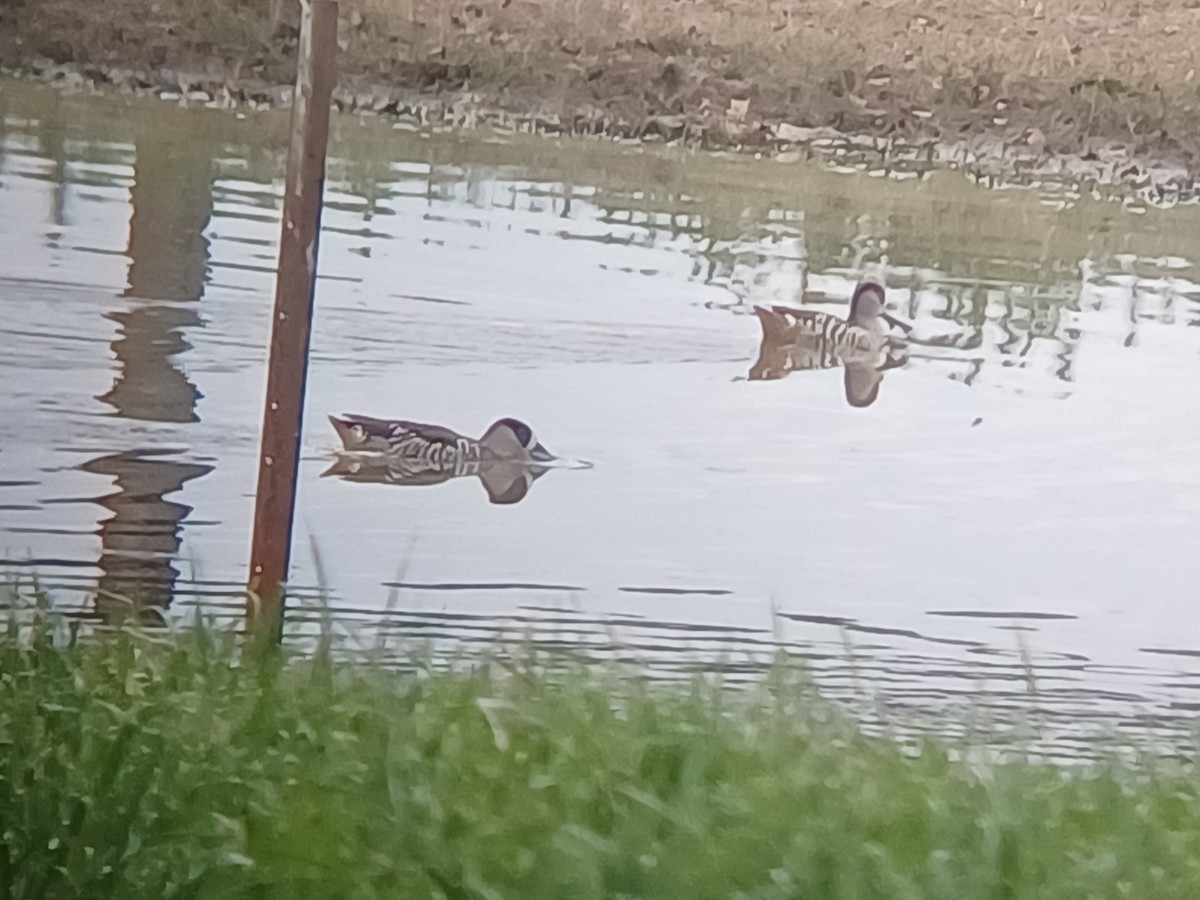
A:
(156, 765)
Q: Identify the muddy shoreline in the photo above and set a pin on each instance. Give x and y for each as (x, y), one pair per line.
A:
(646, 94)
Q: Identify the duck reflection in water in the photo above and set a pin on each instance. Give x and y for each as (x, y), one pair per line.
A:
(797, 339)
(507, 460)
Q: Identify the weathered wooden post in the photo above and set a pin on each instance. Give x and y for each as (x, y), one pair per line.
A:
(287, 368)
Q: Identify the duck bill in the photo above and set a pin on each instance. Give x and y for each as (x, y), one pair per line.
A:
(540, 454)
(896, 323)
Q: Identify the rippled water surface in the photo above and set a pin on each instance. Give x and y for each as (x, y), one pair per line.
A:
(1020, 502)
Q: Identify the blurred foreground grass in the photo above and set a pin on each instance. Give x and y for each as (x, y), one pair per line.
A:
(153, 764)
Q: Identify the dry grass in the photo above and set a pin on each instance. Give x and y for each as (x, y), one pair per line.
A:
(1050, 72)
(1016, 39)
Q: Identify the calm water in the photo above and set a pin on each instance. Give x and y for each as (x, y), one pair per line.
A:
(1023, 498)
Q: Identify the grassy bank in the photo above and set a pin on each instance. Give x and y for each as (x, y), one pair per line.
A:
(1051, 75)
(136, 765)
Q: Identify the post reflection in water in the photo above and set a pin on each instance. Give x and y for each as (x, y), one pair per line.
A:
(172, 203)
(140, 540)
(52, 138)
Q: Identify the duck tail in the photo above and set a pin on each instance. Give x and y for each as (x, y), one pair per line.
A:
(774, 325)
(343, 465)
(345, 431)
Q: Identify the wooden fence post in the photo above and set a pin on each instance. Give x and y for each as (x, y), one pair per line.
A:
(287, 367)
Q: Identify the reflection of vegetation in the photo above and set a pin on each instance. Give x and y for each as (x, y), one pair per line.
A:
(996, 271)
(990, 274)
(179, 765)
(1000, 324)
(942, 220)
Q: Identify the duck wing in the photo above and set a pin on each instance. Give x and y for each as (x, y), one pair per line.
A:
(368, 433)
(783, 323)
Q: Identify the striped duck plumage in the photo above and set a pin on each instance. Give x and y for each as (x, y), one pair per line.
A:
(505, 459)
(798, 339)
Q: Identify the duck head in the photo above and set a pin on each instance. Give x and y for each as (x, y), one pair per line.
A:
(513, 439)
(867, 307)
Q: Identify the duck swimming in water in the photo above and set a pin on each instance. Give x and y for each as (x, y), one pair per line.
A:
(506, 459)
(797, 339)
(509, 439)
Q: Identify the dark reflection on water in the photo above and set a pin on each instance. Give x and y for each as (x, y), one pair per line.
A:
(171, 202)
(141, 539)
(1036, 561)
(52, 138)
(506, 483)
(1003, 324)
(148, 386)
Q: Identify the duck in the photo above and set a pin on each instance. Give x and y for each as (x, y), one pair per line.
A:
(506, 439)
(798, 339)
(394, 451)
(861, 332)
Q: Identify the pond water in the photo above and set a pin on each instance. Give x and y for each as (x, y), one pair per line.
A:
(1018, 509)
